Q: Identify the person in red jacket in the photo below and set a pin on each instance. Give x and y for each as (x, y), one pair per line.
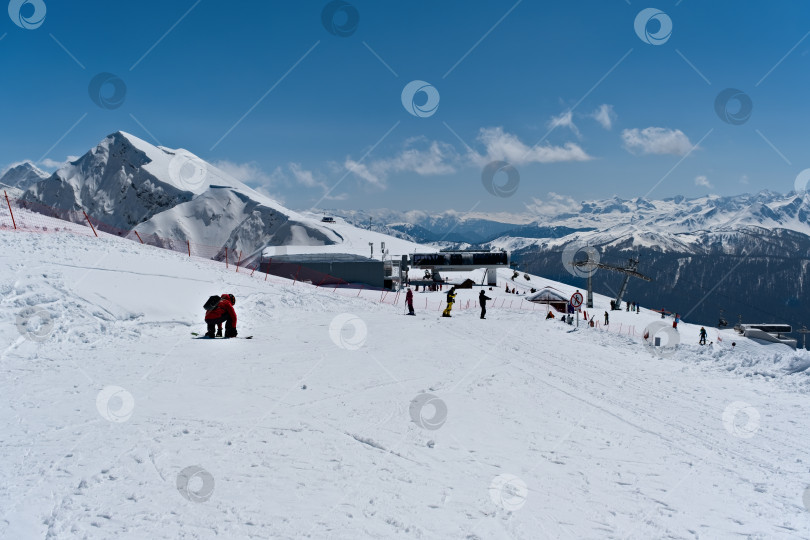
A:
(409, 301)
(223, 313)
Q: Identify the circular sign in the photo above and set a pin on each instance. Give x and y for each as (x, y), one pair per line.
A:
(576, 299)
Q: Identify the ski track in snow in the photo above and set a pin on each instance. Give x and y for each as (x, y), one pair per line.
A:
(609, 440)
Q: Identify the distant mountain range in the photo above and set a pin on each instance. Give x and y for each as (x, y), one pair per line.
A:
(747, 255)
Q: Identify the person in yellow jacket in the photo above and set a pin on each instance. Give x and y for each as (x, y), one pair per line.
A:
(451, 299)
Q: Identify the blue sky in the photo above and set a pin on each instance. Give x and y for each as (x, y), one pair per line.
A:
(567, 93)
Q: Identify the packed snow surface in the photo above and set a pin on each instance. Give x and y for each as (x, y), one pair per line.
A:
(345, 418)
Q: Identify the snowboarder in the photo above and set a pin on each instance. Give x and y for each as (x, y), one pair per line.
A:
(222, 312)
(702, 336)
(607, 319)
(409, 301)
(451, 299)
(482, 299)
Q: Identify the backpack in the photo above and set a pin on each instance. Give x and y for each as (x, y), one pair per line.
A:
(211, 303)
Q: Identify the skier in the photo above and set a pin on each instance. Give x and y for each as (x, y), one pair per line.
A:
(482, 299)
(451, 299)
(676, 321)
(702, 336)
(222, 312)
(663, 311)
(409, 301)
(607, 319)
(638, 308)
(627, 306)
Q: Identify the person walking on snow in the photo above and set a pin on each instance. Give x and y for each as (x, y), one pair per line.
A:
(451, 299)
(482, 299)
(223, 312)
(409, 301)
(702, 336)
(607, 319)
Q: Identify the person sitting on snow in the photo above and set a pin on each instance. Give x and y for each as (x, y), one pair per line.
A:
(222, 313)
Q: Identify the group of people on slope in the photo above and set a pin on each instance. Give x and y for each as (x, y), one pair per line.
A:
(451, 300)
(219, 311)
(629, 306)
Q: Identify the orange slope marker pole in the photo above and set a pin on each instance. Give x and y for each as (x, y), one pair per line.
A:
(88, 222)
(13, 221)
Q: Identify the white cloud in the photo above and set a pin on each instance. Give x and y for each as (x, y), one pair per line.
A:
(249, 173)
(264, 191)
(565, 119)
(656, 140)
(363, 172)
(703, 181)
(604, 115)
(554, 204)
(303, 176)
(252, 174)
(437, 158)
(49, 163)
(504, 146)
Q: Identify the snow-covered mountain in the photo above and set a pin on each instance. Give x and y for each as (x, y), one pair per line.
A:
(22, 175)
(128, 184)
(676, 224)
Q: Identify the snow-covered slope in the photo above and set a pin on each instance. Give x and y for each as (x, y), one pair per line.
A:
(343, 418)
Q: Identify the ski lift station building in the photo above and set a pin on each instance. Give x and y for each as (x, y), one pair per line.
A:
(328, 269)
(348, 269)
